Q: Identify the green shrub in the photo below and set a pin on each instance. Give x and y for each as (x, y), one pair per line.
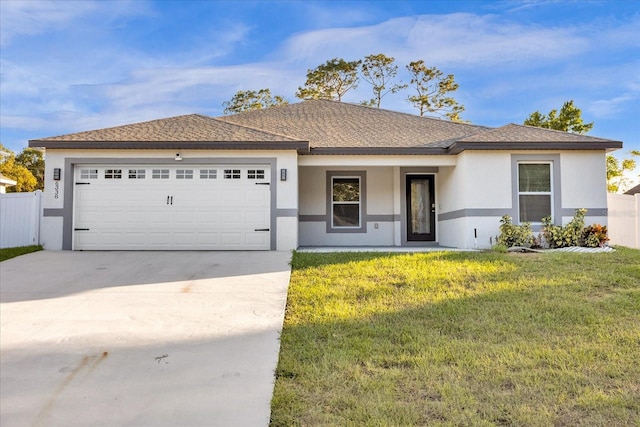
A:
(595, 236)
(571, 234)
(500, 248)
(514, 235)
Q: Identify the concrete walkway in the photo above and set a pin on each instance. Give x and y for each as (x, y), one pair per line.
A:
(140, 338)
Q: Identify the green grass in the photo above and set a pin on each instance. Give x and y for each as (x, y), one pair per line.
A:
(8, 253)
(459, 339)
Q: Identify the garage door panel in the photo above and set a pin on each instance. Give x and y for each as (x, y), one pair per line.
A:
(229, 239)
(207, 239)
(159, 239)
(256, 217)
(208, 217)
(157, 207)
(135, 239)
(257, 238)
(137, 217)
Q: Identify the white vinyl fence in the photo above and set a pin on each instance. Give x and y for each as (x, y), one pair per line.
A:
(20, 216)
(624, 220)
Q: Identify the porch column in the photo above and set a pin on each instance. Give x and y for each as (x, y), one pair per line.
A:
(397, 200)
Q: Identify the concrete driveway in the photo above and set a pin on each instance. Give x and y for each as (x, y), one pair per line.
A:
(140, 338)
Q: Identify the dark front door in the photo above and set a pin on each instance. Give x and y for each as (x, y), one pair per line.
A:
(421, 208)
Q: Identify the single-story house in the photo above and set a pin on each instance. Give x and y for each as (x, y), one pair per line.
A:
(314, 173)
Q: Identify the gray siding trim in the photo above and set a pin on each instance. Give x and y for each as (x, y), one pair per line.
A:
(52, 212)
(590, 211)
(363, 200)
(313, 218)
(69, 173)
(367, 218)
(287, 213)
(464, 213)
(379, 218)
(554, 159)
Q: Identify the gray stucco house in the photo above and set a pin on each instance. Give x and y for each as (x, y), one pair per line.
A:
(314, 173)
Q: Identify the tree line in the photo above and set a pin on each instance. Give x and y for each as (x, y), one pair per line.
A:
(26, 168)
(431, 89)
(431, 92)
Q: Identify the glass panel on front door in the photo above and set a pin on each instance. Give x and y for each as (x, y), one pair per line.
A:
(420, 208)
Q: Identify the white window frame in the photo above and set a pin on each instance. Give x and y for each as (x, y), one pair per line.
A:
(160, 174)
(255, 174)
(184, 173)
(359, 203)
(232, 174)
(137, 173)
(549, 193)
(88, 173)
(208, 174)
(113, 173)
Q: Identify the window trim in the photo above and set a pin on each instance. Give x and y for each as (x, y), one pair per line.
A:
(536, 193)
(362, 178)
(556, 185)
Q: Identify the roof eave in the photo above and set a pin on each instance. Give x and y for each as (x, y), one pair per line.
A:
(299, 146)
(583, 145)
(376, 151)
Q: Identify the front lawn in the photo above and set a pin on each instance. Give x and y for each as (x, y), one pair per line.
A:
(450, 338)
(8, 253)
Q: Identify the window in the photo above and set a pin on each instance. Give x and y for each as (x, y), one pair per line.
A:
(89, 174)
(208, 174)
(160, 174)
(184, 174)
(345, 202)
(137, 173)
(112, 173)
(255, 174)
(232, 174)
(534, 191)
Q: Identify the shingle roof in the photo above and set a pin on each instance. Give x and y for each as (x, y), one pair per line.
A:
(192, 128)
(333, 124)
(322, 126)
(522, 133)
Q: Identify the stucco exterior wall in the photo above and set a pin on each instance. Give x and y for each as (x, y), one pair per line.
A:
(473, 190)
(482, 187)
(378, 210)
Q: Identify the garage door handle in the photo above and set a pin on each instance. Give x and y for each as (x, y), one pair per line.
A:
(170, 200)
(167, 199)
(262, 183)
(80, 229)
(261, 229)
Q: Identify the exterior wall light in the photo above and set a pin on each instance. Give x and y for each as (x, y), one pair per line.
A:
(283, 174)
(56, 174)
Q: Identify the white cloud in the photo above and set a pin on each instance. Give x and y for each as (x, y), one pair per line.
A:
(84, 88)
(462, 40)
(603, 108)
(32, 17)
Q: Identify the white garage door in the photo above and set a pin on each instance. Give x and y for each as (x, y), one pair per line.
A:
(123, 207)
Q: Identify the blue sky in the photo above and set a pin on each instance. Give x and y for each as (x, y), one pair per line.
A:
(69, 66)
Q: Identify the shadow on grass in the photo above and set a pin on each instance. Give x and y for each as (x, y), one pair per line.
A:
(502, 340)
